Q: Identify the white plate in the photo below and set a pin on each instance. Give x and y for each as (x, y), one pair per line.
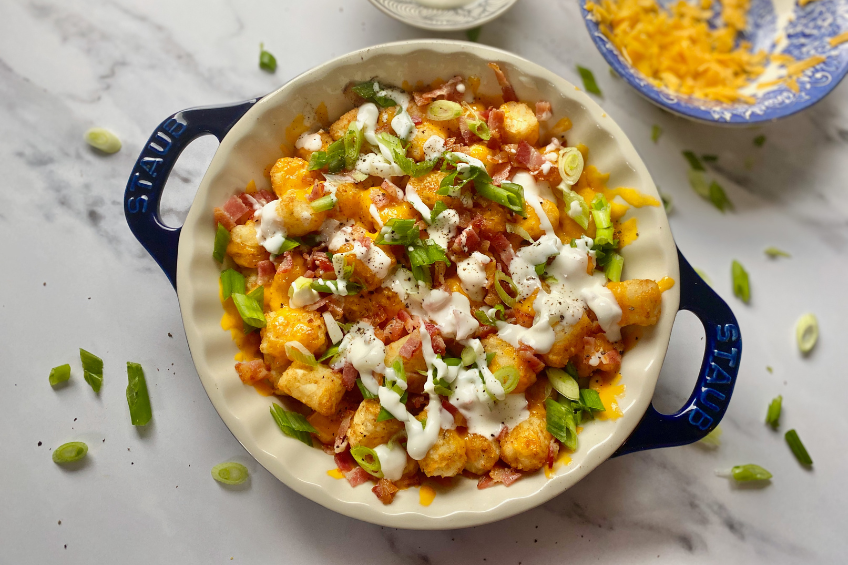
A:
(253, 144)
(472, 14)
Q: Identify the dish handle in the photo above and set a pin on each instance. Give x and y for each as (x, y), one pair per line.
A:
(708, 402)
(154, 165)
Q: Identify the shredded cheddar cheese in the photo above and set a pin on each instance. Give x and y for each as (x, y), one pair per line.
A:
(838, 39)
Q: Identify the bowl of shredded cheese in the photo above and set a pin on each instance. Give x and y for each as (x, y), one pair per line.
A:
(724, 61)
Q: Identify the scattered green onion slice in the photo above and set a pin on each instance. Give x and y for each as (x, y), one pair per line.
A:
(507, 194)
(137, 397)
(694, 162)
(807, 332)
(798, 448)
(500, 276)
(601, 212)
(473, 34)
(667, 201)
(760, 140)
(704, 276)
(293, 424)
(614, 267)
(709, 158)
(656, 132)
(479, 128)
(297, 352)
(442, 110)
(591, 399)
(92, 368)
(570, 164)
(518, 230)
(249, 310)
(564, 383)
(775, 252)
(508, 377)
(741, 284)
(589, 82)
(324, 203)
(231, 281)
(352, 144)
(469, 357)
(773, 414)
(60, 374)
(103, 139)
(698, 182)
(222, 239)
(718, 197)
(267, 62)
(361, 454)
(288, 244)
(560, 422)
(366, 394)
(230, 473)
(69, 452)
(575, 206)
(749, 472)
(712, 439)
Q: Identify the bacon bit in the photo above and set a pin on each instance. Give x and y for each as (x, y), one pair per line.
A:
(500, 172)
(503, 433)
(519, 317)
(334, 308)
(344, 461)
(440, 270)
(506, 87)
(417, 401)
(237, 210)
(222, 218)
(310, 274)
(364, 241)
(316, 305)
(496, 128)
(250, 201)
(412, 344)
(404, 317)
(503, 247)
(436, 338)
(286, 263)
(447, 90)
(328, 449)
(385, 491)
(467, 242)
(543, 110)
(393, 331)
(499, 157)
(611, 357)
(416, 120)
(316, 192)
(412, 480)
(319, 262)
(251, 372)
(505, 475)
(485, 331)
(392, 189)
(349, 375)
(264, 197)
(357, 476)
(265, 272)
(553, 451)
(340, 445)
(528, 156)
(449, 407)
(527, 354)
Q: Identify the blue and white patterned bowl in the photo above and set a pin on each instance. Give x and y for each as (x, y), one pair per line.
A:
(807, 31)
(470, 15)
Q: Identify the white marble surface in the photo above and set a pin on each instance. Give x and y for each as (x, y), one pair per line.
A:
(74, 276)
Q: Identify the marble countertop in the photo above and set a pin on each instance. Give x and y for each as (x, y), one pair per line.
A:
(74, 276)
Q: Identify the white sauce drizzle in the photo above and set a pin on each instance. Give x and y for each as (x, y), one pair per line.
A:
(434, 147)
(444, 228)
(451, 312)
(309, 141)
(392, 461)
(361, 348)
(270, 231)
(472, 275)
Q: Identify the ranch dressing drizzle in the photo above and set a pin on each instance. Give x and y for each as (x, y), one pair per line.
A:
(362, 349)
(392, 460)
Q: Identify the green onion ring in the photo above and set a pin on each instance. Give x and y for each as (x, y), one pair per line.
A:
(230, 473)
(508, 377)
(442, 110)
(70, 452)
(570, 164)
(807, 333)
(500, 276)
(518, 230)
(360, 452)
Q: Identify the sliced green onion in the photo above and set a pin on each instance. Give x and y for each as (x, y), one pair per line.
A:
(399, 232)
(103, 139)
(296, 351)
(601, 212)
(366, 394)
(704, 276)
(398, 151)
(437, 210)
(798, 448)
(288, 244)
(138, 399)
(293, 424)
(563, 383)
(230, 473)
(368, 91)
(709, 158)
(508, 377)
(560, 423)
(656, 132)
(508, 194)
(92, 369)
(571, 198)
(570, 164)
(473, 34)
(807, 332)
(479, 128)
(741, 284)
(442, 110)
(483, 316)
(352, 144)
(267, 62)
(775, 252)
(773, 414)
(591, 399)
(589, 82)
(698, 182)
(469, 356)
(667, 201)
(59, 374)
(518, 230)
(719, 198)
(712, 439)
(331, 352)
(694, 162)
(500, 277)
(69, 452)
(612, 270)
(231, 281)
(324, 203)
(222, 239)
(249, 310)
(760, 140)
(333, 158)
(361, 454)
(749, 472)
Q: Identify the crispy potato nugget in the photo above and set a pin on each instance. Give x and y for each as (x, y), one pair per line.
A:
(306, 154)
(525, 447)
(481, 453)
(414, 380)
(339, 127)
(293, 324)
(447, 456)
(366, 430)
(319, 387)
(426, 187)
(423, 132)
(297, 213)
(520, 123)
(568, 341)
(244, 248)
(640, 301)
(507, 356)
(291, 173)
(532, 223)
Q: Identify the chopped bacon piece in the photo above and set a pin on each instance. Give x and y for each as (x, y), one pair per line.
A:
(349, 375)
(264, 197)
(543, 110)
(503, 433)
(506, 87)
(236, 209)
(251, 372)
(405, 482)
(286, 263)
(319, 262)
(385, 490)
(334, 308)
(328, 449)
(265, 272)
(529, 156)
(382, 199)
(357, 476)
(411, 345)
(316, 192)
(466, 242)
(485, 331)
(416, 120)
(499, 157)
(417, 401)
(449, 407)
(527, 354)
(553, 451)
(365, 241)
(392, 189)
(316, 305)
(503, 247)
(354, 474)
(500, 172)
(505, 475)
(496, 128)
(393, 331)
(250, 201)
(310, 274)
(447, 91)
(345, 461)
(404, 317)
(436, 338)
(222, 218)
(340, 445)
(520, 317)
(611, 357)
